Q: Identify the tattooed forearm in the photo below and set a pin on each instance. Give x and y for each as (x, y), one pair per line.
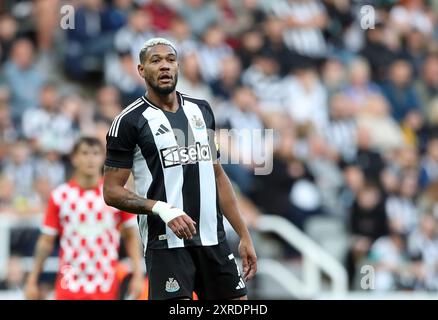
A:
(116, 195)
(131, 202)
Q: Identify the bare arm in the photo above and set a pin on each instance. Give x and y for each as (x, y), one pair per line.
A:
(131, 241)
(116, 195)
(44, 248)
(228, 204)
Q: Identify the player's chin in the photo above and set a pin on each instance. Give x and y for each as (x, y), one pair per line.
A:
(166, 89)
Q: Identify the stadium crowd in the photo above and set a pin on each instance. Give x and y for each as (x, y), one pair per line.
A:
(354, 110)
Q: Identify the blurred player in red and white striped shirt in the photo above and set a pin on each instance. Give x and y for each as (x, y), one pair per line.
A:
(89, 233)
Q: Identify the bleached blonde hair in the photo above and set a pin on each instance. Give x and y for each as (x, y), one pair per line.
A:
(152, 43)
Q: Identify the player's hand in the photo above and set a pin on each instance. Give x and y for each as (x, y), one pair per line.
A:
(176, 219)
(31, 291)
(249, 258)
(183, 226)
(135, 287)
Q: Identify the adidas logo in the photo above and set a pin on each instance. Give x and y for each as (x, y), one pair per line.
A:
(161, 130)
(241, 284)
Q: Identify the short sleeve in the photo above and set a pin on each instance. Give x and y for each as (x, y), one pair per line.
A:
(121, 140)
(51, 224)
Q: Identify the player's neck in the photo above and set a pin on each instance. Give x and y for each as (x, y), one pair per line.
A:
(86, 182)
(167, 102)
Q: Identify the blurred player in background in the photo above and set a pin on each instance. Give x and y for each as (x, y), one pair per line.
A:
(167, 139)
(89, 233)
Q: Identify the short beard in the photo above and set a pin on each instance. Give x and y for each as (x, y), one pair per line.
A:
(166, 90)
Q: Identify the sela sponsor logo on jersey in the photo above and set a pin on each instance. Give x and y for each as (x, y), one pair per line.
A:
(175, 156)
(172, 285)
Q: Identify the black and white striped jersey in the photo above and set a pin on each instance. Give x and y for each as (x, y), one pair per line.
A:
(171, 156)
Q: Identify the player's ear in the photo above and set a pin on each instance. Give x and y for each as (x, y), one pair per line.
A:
(140, 69)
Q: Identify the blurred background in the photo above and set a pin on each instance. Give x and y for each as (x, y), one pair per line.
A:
(350, 209)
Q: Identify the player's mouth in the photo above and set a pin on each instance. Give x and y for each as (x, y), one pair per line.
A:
(165, 78)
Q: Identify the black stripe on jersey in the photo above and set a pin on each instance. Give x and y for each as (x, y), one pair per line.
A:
(190, 188)
(157, 190)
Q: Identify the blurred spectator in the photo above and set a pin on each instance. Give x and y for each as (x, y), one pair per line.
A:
(87, 42)
(7, 191)
(385, 134)
(200, 14)
(305, 89)
(122, 73)
(242, 112)
(190, 81)
(427, 85)
(399, 90)
(8, 32)
(359, 87)
(333, 75)
(133, 35)
(354, 180)
(20, 72)
(46, 13)
(341, 128)
(411, 15)
(211, 53)
(247, 14)
(393, 268)
(116, 14)
(304, 20)
(429, 163)
(377, 52)
(273, 30)
(367, 222)
(263, 78)
(20, 168)
(46, 126)
(368, 159)
(289, 190)
(340, 17)
(74, 108)
(322, 165)
(423, 244)
(161, 14)
(8, 134)
(49, 172)
(15, 277)
(181, 36)
(401, 207)
(229, 78)
(251, 45)
(108, 104)
(414, 50)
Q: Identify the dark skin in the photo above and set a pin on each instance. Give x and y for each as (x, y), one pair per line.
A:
(159, 68)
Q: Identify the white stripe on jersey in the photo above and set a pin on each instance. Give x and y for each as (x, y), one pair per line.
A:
(173, 176)
(207, 223)
(114, 129)
(143, 180)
